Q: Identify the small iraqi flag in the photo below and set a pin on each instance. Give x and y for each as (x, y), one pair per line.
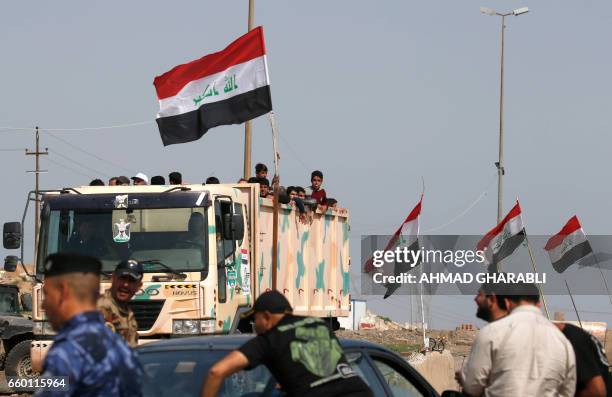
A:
(410, 227)
(568, 246)
(501, 241)
(227, 87)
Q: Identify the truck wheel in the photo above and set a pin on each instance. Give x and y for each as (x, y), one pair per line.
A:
(18, 361)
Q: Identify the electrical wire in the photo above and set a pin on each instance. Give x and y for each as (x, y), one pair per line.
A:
(69, 168)
(97, 172)
(466, 210)
(91, 154)
(106, 127)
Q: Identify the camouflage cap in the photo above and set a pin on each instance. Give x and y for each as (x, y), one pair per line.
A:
(131, 268)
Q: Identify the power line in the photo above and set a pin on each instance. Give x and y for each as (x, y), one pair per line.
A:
(90, 154)
(107, 127)
(97, 172)
(69, 168)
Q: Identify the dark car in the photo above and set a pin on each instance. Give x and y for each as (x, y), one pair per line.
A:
(177, 368)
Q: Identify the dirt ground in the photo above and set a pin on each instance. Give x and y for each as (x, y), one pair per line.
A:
(406, 342)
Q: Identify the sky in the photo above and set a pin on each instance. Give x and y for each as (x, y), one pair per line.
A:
(377, 95)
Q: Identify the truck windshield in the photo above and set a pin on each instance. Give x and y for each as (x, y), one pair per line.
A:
(176, 237)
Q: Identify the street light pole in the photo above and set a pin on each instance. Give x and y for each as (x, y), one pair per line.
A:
(500, 163)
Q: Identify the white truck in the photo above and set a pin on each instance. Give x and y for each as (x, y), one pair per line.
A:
(206, 250)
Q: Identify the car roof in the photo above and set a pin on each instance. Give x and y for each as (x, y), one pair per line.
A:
(229, 342)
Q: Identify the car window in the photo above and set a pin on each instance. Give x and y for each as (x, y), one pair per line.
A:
(363, 368)
(400, 386)
(180, 373)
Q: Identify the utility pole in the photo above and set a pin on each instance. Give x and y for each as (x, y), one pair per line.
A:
(37, 153)
(248, 124)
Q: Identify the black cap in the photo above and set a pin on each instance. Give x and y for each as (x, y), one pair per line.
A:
(271, 301)
(130, 268)
(58, 264)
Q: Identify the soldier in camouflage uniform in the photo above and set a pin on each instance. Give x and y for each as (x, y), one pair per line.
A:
(94, 360)
(127, 280)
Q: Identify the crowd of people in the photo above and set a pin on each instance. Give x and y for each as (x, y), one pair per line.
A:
(313, 195)
(521, 353)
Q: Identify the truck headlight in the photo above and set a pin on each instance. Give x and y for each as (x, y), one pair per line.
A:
(207, 326)
(42, 328)
(186, 327)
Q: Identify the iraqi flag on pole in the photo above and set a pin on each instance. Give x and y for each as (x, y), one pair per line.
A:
(227, 87)
(409, 227)
(568, 246)
(501, 241)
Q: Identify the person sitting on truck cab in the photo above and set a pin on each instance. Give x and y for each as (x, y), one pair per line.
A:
(113, 304)
(175, 178)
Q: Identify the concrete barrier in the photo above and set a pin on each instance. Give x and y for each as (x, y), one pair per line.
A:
(437, 368)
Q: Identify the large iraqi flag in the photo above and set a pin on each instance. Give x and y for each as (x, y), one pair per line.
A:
(227, 87)
(501, 241)
(568, 246)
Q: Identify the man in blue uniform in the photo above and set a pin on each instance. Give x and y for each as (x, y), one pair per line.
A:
(95, 360)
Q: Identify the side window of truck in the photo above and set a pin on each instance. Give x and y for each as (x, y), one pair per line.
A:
(226, 248)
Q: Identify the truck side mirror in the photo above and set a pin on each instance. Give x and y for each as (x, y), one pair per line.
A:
(10, 263)
(11, 235)
(233, 223)
(26, 302)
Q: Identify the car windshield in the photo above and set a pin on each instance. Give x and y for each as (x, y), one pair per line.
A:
(181, 373)
(175, 237)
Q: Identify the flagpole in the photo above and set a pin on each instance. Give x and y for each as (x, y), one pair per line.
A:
(535, 270)
(573, 303)
(276, 204)
(248, 124)
(602, 276)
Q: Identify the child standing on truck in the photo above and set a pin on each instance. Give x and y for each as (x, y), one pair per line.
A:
(315, 191)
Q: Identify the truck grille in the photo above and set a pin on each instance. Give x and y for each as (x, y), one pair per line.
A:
(146, 312)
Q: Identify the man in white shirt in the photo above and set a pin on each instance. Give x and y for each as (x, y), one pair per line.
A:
(522, 354)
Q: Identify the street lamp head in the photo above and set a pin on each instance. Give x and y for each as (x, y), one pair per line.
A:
(520, 11)
(488, 11)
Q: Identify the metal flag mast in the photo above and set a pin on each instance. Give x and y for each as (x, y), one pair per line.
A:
(248, 124)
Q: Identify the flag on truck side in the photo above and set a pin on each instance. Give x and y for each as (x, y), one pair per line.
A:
(501, 241)
(410, 226)
(227, 87)
(568, 246)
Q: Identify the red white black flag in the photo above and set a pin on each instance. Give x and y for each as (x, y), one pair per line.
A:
(409, 227)
(501, 241)
(227, 87)
(568, 246)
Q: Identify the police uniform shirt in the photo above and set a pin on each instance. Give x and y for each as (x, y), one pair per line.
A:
(96, 361)
(590, 357)
(306, 359)
(120, 320)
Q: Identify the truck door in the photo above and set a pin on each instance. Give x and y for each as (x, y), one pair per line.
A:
(233, 279)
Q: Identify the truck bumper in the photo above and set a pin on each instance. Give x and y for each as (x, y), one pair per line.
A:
(38, 351)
